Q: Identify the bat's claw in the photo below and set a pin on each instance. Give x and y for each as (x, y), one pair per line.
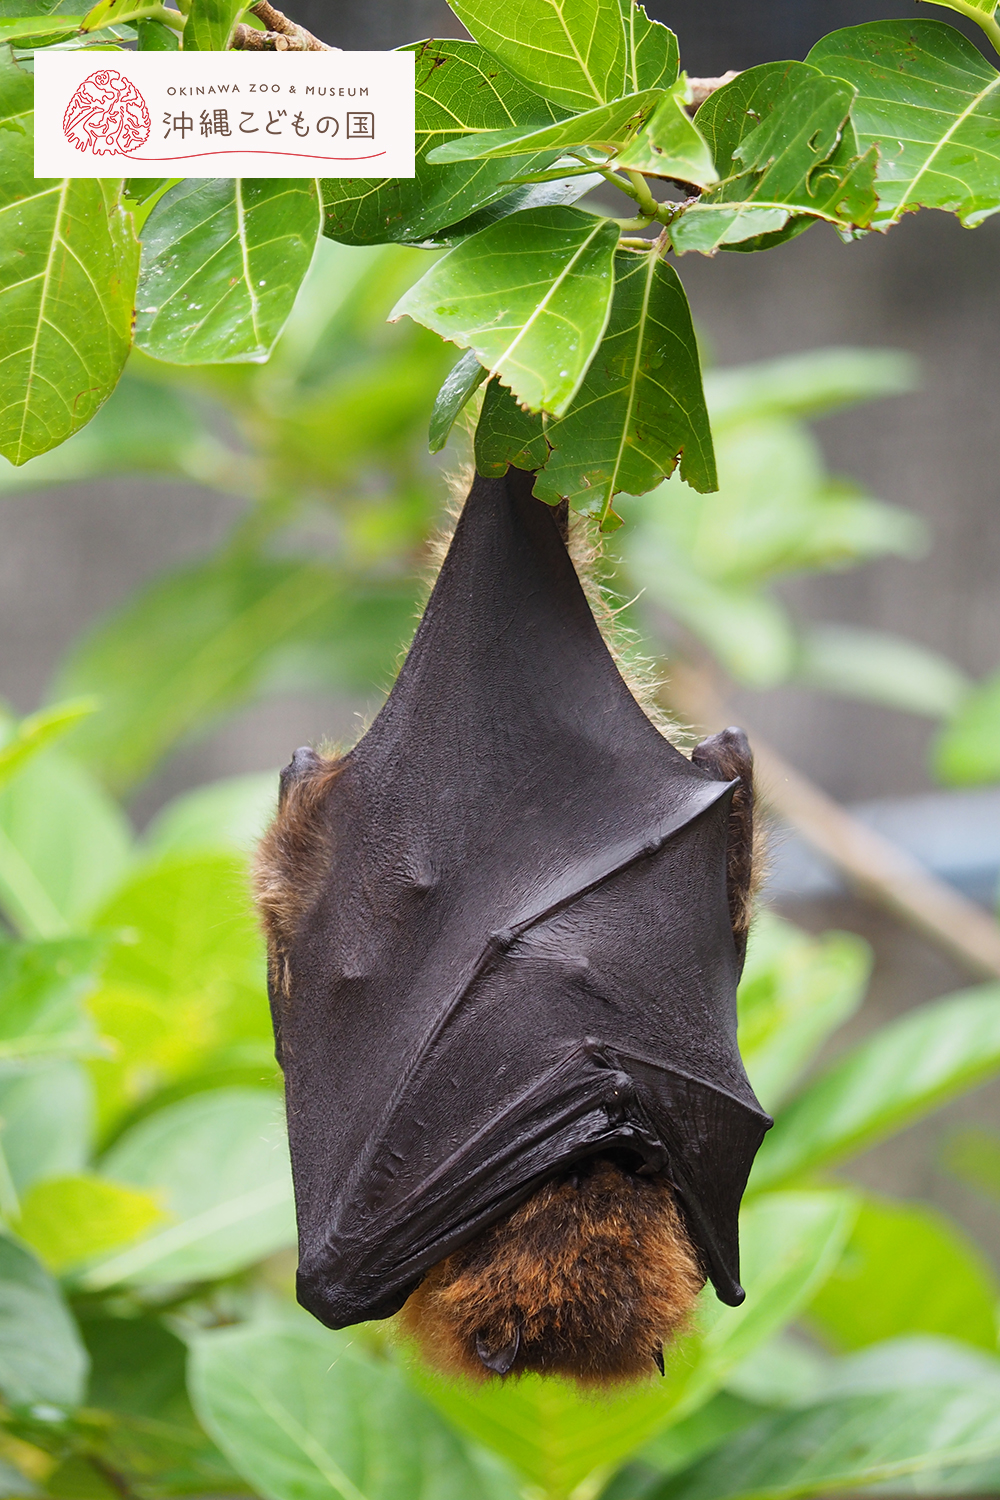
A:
(498, 1360)
(658, 1359)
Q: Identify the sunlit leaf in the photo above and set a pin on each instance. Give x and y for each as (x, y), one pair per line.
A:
(609, 126)
(531, 295)
(640, 410)
(68, 266)
(218, 1162)
(651, 50)
(41, 1355)
(908, 1068)
(231, 814)
(783, 147)
(670, 144)
(42, 990)
(303, 1415)
(810, 384)
(882, 668)
(37, 730)
(29, 31)
(46, 1122)
(907, 1269)
(930, 102)
(222, 262)
(210, 23)
(573, 52)
(460, 89)
(67, 1220)
(973, 1156)
(795, 991)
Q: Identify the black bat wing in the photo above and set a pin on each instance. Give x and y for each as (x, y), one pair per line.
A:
(520, 952)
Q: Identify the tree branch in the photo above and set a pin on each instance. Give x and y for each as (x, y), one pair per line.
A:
(700, 88)
(282, 35)
(870, 863)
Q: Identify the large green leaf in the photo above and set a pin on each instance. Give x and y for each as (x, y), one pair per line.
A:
(670, 144)
(460, 89)
(69, 1220)
(840, 1445)
(557, 1437)
(805, 385)
(574, 52)
(304, 1415)
(507, 434)
(794, 992)
(222, 263)
(41, 1356)
(210, 23)
(906, 1069)
(640, 410)
(907, 1269)
(651, 51)
(68, 266)
(219, 1163)
(201, 641)
(30, 31)
(46, 1122)
(930, 102)
(231, 814)
(882, 668)
(42, 989)
(608, 126)
(967, 751)
(531, 295)
(784, 147)
(64, 845)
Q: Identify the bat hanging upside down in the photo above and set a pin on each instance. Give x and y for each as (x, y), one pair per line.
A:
(504, 937)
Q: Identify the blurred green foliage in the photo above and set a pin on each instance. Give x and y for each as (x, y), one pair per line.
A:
(149, 1343)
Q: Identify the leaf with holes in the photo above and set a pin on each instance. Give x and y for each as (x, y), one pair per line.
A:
(641, 409)
(222, 263)
(573, 52)
(670, 144)
(461, 90)
(68, 266)
(785, 150)
(930, 102)
(531, 295)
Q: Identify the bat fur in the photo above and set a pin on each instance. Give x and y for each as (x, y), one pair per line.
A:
(596, 1270)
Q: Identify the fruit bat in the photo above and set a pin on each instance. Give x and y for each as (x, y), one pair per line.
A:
(505, 932)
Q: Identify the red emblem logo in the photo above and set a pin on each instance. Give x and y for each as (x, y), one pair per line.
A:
(107, 113)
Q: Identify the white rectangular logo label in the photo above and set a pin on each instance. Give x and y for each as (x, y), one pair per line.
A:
(224, 114)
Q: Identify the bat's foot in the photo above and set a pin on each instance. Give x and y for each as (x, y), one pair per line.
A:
(585, 1279)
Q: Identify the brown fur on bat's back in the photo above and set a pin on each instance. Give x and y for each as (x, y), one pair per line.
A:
(586, 1279)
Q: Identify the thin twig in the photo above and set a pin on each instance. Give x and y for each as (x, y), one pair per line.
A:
(282, 35)
(874, 866)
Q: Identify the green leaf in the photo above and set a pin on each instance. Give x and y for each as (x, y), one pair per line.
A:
(31, 31)
(906, 1069)
(220, 1163)
(461, 384)
(42, 990)
(531, 295)
(41, 1356)
(222, 263)
(640, 410)
(874, 665)
(558, 1437)
(210, 23)
(973, 1156)
(304, 1415)
(930, 102)
(795, 991)
(232, 814)
(460, 90)
(967, 752)
(199, 642)
(573, 52)
(153, 36)
(67, 1220)
(807, 385)
(64, 845)
(37, 730)
(670, 144)
(608, 126)
(507, 434)
(46, 1112)
(68, 267)
(651, 51)
(907, 1269)
(840, 1445)
(784, 146)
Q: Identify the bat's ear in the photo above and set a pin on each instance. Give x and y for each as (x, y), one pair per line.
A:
(303, 763)
(727, 756)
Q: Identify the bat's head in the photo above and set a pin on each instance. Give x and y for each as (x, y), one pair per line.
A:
(587, 1279)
